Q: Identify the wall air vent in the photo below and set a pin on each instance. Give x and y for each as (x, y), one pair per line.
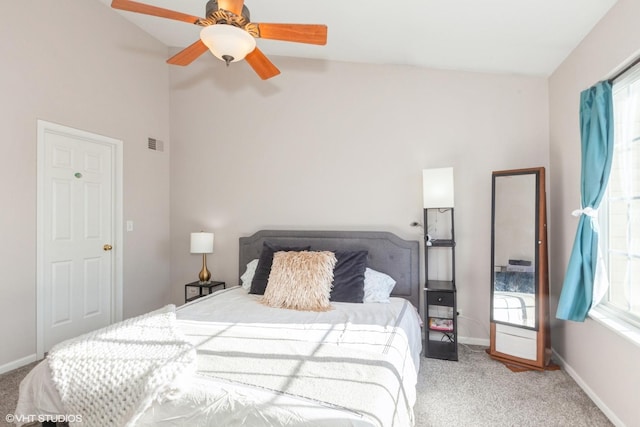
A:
(155, 144)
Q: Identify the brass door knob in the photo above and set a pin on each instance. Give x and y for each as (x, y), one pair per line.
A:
(107, 247)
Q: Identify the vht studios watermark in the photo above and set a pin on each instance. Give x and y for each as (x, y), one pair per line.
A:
(61, 418)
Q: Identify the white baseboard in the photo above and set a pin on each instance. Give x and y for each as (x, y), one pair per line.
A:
(592, 395)
(17, 363)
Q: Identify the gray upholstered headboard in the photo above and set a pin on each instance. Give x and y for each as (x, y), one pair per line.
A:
(388, 253)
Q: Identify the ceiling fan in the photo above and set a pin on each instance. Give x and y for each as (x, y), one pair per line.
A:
(229, 33)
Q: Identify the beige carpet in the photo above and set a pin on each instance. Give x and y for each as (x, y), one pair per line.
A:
(478, 391)
(473, 392)
(9, 384)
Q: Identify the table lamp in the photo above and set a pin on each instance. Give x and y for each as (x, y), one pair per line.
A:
(202, 243)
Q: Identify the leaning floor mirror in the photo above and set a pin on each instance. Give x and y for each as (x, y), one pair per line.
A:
(519, 333)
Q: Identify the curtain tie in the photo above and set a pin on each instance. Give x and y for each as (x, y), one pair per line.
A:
(588, 211)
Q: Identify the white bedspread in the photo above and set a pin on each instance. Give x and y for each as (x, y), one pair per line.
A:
(355, 365)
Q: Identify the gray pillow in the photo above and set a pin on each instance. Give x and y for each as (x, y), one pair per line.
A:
(348, 276)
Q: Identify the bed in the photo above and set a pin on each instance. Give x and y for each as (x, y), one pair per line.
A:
(514, 298)
(229, 359)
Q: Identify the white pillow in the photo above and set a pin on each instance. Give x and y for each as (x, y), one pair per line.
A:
(247, 276)
(377, 286)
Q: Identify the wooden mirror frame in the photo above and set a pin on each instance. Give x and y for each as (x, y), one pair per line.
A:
(506, 339)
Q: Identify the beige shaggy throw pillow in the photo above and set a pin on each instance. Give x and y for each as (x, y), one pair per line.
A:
(300, 281)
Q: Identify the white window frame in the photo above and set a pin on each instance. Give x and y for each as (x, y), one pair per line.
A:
(621, 321)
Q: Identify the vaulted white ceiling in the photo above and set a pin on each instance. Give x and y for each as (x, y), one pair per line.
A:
(507, 36)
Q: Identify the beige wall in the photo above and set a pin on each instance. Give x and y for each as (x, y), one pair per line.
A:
(603, 362)
(342, 146)
(80, 65)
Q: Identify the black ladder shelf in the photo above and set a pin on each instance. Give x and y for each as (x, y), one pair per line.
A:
(441, 318)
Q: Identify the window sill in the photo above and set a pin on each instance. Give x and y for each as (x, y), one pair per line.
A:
(617, 325)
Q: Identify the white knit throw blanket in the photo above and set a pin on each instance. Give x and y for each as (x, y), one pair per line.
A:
(112, 375)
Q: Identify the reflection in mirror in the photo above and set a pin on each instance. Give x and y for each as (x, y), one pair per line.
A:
(514, 250)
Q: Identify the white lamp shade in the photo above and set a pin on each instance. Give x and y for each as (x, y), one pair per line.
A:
(201, 243)
(227, 40)
(437, 188)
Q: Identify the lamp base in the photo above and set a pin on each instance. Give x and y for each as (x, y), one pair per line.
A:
(205, 275)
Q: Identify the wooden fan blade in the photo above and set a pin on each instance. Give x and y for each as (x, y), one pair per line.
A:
(300, 33)
(261, 64)
(189, 54)
(132, 6)
(233, 6)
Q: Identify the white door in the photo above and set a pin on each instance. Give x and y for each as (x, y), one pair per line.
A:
(77, 205)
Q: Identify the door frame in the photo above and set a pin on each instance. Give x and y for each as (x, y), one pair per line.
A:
(117, 218)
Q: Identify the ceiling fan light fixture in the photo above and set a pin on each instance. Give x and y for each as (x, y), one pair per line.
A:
(227, 42)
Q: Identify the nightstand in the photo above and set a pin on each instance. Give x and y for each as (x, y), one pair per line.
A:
(201, 287)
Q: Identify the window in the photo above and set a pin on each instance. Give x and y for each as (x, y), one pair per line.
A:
(620, 240)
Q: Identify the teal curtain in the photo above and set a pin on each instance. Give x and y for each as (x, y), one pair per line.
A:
(596, 133)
